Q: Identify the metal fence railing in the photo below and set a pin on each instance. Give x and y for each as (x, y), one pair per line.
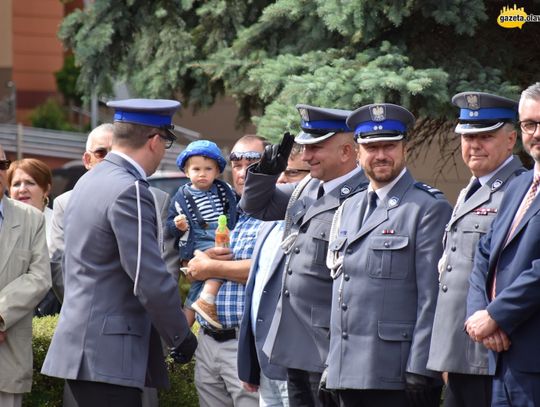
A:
(62, 144)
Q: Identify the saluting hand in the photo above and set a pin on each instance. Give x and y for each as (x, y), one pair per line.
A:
(275, 156)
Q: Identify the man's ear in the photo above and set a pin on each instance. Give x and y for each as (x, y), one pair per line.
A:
(153, 141)
(86, 159)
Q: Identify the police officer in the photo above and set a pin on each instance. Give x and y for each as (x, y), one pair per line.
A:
(486, 126)
(298, 336)
(384, 248)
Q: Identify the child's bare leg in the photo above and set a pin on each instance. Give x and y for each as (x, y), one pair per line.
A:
(210, 290)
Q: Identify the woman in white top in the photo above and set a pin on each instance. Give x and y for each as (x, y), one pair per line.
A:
(30, 181)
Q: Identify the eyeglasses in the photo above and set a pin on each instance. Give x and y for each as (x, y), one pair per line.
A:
(528, 126)
(100, 152)
(247, 155)
(294, 172)
(169, 139)
(4, 164)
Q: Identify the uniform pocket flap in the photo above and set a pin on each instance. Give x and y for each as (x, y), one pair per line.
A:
(395, 331)
(337, 244)
(297, 211)
(319, 229)
(120, 325)
(479, 227)
(388, 242)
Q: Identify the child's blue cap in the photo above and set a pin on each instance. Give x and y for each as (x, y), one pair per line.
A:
(203, 148)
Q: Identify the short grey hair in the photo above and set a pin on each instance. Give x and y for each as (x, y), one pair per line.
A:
(102, 128)
(532, 92)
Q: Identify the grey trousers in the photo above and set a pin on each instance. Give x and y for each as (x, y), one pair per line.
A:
(216, 375)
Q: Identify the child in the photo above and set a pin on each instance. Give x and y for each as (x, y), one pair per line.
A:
(193, 218)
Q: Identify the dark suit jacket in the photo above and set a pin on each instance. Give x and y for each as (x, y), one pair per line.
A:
(516, 308)
(251, 358)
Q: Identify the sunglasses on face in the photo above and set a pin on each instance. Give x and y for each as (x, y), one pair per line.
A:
(100, 152)
(4, 164)
(247, 155)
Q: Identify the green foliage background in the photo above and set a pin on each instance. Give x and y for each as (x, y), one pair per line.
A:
(48, 391)
(271, 55)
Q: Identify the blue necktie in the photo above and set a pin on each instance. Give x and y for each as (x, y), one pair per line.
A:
(320, 191)
(475, 186)
(372, 204)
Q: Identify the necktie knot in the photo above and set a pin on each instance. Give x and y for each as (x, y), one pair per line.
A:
(475, 186)
(320, 191)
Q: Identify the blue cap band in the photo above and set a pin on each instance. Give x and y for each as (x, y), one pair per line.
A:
(147, 119)
(371, 126)
(488, 113)
(331, 125)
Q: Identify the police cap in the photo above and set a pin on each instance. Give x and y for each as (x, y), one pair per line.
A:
(380, 122)
(156, 113)
(319, 123)
(483, 112)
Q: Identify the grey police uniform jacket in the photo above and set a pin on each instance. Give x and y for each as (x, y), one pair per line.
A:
(105, 333)
(451, 349)
(170, 254)
(298, 336)
(384, 299)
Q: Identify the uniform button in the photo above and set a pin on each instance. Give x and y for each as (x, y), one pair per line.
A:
(265, 291)
(346, 277)
(323, 234)
(386, 244)
(404, 334)
(476, 226)
(297, 250)
(303, 229)
(444, 288)
(449, 268)
(289, 271)
(453, 248)
(344, 335)
(455, 229)
(259, 320)
(176, 337)
(344, 307)
(286, 293)
(348, 251)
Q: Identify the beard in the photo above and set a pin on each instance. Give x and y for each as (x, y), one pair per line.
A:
(382, 175)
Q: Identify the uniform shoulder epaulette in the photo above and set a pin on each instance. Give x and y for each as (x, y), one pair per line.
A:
(429, 189)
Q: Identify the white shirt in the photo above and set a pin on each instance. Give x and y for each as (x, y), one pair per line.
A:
(270, 248)
(382, 192)
(131, 161)
(485, 178)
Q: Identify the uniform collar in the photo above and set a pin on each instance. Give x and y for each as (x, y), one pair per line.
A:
(131, 161)
(382, 192)
(485, 178)
(334, 183)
